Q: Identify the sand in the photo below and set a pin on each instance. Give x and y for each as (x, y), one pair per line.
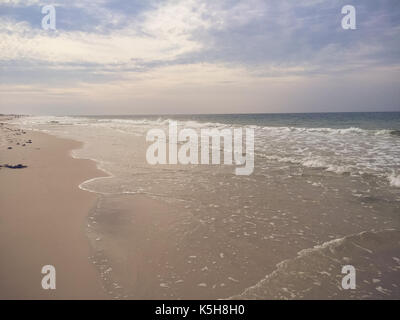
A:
(43, 216)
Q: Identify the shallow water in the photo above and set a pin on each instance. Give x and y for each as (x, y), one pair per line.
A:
(317, 178)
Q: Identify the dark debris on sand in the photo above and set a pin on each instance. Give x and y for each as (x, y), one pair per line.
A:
(18, 166)
(14, 136)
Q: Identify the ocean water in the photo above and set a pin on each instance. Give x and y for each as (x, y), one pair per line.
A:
(325, 193)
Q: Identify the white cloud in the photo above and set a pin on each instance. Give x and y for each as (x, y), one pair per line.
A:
(162, 34)
(182, 47)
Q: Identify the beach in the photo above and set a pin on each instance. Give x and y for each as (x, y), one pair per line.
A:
(79, 194)
(199, 150)
(43, 215)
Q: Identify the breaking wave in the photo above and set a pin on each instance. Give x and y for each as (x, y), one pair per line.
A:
(320, 267)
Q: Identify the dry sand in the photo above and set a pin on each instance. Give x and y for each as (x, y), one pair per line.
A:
(43, 215)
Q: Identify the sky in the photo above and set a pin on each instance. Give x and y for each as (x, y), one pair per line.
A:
(187, 56)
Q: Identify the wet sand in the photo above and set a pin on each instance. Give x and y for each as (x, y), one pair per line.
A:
(43, 216)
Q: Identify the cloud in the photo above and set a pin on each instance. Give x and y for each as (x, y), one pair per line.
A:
(156, 45)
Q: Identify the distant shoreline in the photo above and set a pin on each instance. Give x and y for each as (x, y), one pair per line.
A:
(196, 114)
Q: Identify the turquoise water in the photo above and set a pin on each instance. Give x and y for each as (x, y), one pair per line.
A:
(363, 120)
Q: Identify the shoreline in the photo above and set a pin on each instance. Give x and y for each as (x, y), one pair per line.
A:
(48, 226)
(150, 238)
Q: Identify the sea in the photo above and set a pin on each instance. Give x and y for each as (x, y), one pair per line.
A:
(324, 194)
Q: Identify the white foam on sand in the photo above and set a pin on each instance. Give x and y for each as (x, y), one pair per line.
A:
(394, 180)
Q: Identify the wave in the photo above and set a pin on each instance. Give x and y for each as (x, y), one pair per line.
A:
(321, 164)
(315, 163)
(395, 132)
(163, 121)
(334, 131)
(319, 268)
(350, 155)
